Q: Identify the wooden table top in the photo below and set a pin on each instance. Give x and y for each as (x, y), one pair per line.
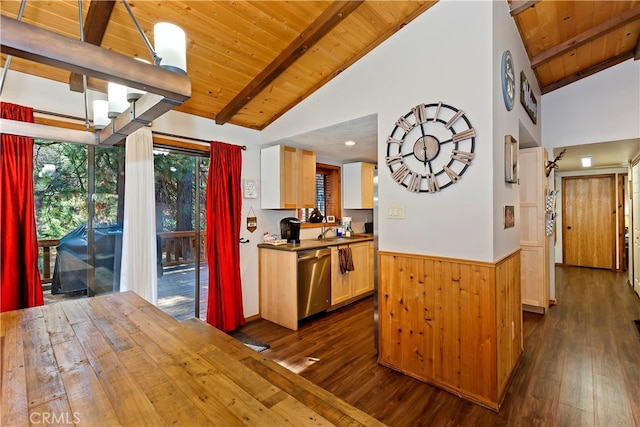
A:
(118, 360)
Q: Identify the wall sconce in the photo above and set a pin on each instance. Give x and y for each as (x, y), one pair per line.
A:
(171, 46)
(117, 99)
(100, 114)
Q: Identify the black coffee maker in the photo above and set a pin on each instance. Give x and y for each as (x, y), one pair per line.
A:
(290, 229)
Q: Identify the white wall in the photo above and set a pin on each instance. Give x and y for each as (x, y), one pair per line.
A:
(427, 61)
(506, 37)
(599, 108)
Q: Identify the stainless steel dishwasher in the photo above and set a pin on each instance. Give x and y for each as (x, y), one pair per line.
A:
(314, 281)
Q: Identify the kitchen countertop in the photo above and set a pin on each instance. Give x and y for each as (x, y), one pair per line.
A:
(318, 243)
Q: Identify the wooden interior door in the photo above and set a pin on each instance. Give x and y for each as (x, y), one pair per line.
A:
(635, 228)
(588, 221)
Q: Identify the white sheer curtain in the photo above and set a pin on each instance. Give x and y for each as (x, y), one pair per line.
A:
(139, 272)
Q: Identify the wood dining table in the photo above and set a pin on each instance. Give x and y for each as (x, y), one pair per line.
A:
(116, 359)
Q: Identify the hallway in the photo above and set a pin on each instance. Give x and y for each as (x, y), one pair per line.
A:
(581, 364)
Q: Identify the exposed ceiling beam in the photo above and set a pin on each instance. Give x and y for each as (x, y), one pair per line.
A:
(587, 72)
(519, 6)
(94, 28)
(586, 36)
(331, 17)
(328, 77)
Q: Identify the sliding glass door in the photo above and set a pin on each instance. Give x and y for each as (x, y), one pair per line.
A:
(180, 182)
(78, 217)
(79, 196)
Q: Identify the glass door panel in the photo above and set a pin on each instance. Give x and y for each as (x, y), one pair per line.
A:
(107, 213)
(178, 199)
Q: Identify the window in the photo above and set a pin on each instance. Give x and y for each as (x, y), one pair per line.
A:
(327, 191)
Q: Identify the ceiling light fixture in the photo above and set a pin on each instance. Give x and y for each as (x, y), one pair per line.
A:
(117, 99)
(170, 41)
(100, 114)
(134, 94)
(350, 143)
(165, 89)
(586, 161)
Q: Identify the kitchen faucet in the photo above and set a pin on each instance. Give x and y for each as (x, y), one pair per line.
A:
(325, 230)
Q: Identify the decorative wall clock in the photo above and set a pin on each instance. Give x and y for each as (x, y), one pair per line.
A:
(508, 77)
(430, 147)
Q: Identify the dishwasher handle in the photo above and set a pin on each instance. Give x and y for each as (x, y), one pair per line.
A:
(309, 255)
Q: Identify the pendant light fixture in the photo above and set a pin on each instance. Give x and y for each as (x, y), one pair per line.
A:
(171, 46)
(100, 114)
(117, 99)
(134, 94)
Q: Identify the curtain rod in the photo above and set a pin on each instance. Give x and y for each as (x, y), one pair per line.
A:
(171, 135)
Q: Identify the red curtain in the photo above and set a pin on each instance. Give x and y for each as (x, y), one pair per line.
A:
(20, 285)
(224, 204)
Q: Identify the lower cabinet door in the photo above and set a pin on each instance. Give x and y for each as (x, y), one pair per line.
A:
(340, 284)
(361, 277)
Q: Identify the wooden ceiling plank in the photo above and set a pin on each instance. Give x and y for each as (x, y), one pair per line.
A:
(94, 28)
(331, 17)
(382, 36)
(586, 36)
(587, 72)
(519, 6)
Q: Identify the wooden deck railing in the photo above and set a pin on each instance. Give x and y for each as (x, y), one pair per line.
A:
(179, 247)
(48, 257)
(176, 248)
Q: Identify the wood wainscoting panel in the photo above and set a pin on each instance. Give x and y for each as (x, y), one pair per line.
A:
(456, 324)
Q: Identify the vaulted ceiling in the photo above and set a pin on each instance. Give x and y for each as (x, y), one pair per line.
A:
(252, 61)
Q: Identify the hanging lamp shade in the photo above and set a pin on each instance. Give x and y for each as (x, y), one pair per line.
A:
(171, 46)
(100, 114)
(117, 99)
(134, 94)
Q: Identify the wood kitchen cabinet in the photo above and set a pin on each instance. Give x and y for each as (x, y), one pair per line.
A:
(279, 287)
(357, 185)
(279, 272)
(533, 239)
(345, 286)
(288, 178)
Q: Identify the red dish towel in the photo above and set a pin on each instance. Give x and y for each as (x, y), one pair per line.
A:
(346, 260)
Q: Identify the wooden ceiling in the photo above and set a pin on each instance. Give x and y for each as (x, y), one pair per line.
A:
(252, 61)
(570, 40)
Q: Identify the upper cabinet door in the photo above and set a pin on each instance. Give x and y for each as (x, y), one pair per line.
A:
(287, 178)
(357, 185)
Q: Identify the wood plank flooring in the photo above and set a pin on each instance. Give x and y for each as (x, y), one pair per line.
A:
(581, 364)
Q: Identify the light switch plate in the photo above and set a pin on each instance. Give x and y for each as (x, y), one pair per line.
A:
(396, 212)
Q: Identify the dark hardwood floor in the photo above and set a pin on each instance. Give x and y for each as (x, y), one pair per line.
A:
(581, 364)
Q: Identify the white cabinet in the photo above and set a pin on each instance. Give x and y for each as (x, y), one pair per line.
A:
(288, 177)
(357, 185)
(534, 242)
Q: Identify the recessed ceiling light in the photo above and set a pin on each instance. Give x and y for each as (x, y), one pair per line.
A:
(586, 161)
(350, 143)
